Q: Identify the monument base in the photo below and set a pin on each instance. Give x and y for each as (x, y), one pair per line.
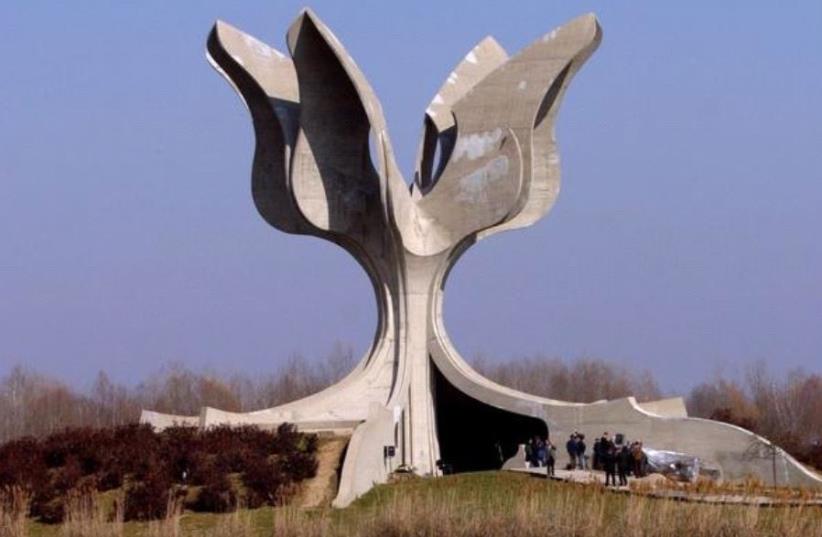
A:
(480, 426)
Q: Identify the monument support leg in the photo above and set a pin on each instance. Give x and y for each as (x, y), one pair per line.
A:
(413, 385)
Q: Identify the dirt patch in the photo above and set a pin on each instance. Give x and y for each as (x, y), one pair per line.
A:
(651, 482)
(320, 490)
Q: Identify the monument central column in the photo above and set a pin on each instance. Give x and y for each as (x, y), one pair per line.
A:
(413, 389)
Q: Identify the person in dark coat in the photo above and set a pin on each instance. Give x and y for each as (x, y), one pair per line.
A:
(581, 447)
(600, 447)
(609, 463)
(571, 448)
(606, 440)
(530, 457)
(540, 451)
(550, 457)
(596, 462)
(624, 463)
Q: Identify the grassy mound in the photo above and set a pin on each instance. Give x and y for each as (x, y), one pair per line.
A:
(480, 505)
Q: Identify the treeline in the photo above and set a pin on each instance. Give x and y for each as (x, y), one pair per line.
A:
(786, 409)
(33, 404)
(581, 381)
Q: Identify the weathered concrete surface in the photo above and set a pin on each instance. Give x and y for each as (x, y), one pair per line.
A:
(315, 119)
(164, 421)
(673, 407)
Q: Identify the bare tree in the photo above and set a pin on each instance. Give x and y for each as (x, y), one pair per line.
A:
(584, 380)
(786, 409)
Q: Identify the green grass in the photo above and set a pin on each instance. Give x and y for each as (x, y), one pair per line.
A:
(486, 488)
(494, 503)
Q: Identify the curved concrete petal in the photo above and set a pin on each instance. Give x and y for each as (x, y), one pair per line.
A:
(480, 61)
(539, 76)
(438, 126)
(265, 80)
(478, 189)
(334, 181)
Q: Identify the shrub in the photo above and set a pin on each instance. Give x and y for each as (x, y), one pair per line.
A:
(202, 469)
(234, 448)
(263, 482)
(111, 478)
(287, 438)
(148, 499)
(52, 511)
(298, 465)
(67, 476)
(178, 448)
(82, 444)
(812, 455)
(133, 447)
(233, 459)
(22, 465)
(270, 463)
(217, 496)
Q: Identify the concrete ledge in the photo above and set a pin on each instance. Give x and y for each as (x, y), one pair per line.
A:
(160, 421)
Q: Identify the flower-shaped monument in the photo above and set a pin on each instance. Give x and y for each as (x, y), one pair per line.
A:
(488, 162)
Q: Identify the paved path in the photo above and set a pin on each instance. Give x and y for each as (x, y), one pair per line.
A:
(588, 477)
(573, 476)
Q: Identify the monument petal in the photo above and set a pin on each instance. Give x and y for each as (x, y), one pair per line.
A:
(335, 182)
(266, 81)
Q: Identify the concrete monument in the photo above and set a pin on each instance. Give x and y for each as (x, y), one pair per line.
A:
(488, 162)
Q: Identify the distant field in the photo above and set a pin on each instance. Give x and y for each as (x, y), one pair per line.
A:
(481, 504)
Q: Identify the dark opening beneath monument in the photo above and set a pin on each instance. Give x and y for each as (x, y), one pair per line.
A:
(475, 436)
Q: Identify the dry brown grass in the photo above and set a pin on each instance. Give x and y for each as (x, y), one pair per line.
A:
(485, 507)
(14, 508)
(750, 488)
(319, 491)
(472, 505)
(170, 525)
(573, 511)
(237, 524)
(87, 515)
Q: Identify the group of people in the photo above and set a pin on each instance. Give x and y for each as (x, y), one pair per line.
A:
(540, 452)
(576, 448)
(617, 458)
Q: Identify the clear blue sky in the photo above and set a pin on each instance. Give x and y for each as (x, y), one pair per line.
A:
(686, 236)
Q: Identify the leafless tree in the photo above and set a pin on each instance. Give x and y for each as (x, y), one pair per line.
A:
(585, 380)
(786, 409)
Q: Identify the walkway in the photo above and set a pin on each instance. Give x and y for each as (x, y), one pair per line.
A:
(588, 477)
